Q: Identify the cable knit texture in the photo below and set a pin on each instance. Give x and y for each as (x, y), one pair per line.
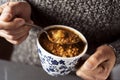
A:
(98, 20)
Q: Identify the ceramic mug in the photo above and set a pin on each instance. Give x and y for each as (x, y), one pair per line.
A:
(56, 65)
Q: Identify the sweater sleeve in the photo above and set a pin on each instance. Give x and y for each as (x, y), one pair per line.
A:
(116, 46)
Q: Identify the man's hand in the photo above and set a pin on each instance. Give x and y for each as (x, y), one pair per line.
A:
(13, 17)
(99, 65)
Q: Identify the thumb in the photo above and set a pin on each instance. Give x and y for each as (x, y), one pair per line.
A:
(95, 60)
(6, 14)
(16, 9)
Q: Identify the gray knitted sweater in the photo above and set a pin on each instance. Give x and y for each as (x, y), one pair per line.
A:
(98, 20)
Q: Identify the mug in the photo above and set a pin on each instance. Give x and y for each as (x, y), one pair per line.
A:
(56, 65)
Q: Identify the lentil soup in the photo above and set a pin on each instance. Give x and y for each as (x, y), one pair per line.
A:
(62, 50)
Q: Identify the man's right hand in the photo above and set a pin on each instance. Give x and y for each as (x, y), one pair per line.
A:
(13, 17)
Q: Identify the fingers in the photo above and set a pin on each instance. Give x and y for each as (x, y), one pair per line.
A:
(99, 73)
(15, 9)
(94, 61)
(15, 36)
(17, 22)
(99, 65)
(18, 41)
(6, 14)
(15, 32)
(13, 17)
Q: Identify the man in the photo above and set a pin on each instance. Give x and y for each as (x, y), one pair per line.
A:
(94, 19)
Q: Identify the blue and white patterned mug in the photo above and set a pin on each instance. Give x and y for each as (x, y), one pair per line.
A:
(56, 65)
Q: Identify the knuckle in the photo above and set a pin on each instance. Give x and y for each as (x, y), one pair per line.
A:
(7, 32)
(94, 60)
(78, 73)
(9, 9)
(12, 37)
(16, 42)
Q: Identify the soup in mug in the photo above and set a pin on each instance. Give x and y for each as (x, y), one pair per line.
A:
(62, 36)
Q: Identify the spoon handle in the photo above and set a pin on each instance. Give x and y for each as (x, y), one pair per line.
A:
(36, 26)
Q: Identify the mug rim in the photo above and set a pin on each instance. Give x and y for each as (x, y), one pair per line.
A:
(69, 28)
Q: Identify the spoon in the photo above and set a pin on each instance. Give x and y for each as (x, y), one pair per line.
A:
(51, 37)
(41, 29)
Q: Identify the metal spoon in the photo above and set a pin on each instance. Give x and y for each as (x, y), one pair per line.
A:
(50, 36)
(41, 29)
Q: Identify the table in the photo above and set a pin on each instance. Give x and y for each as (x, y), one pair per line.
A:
(17, 71)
